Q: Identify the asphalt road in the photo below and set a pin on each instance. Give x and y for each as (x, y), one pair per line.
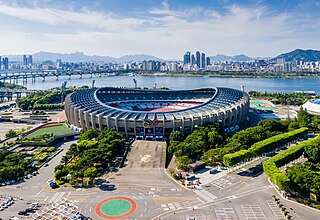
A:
(34, 189)
(230, 196)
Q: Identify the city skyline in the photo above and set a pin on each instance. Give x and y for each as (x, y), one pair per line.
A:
(161, 28)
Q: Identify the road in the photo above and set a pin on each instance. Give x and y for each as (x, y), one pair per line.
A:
(34, 189)
(228, 196)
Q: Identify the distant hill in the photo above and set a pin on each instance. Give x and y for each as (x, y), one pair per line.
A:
(137, 58)
(221, 57)
(81, 57)
(300, 55)
(71, 57)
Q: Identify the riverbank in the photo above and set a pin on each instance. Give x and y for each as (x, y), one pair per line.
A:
(232, 75)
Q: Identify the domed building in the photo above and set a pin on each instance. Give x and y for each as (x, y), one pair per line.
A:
(312, 106)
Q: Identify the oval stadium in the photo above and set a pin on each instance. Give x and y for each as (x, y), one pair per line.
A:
(154, 114)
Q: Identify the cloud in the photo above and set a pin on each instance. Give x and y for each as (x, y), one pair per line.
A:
(164, 31)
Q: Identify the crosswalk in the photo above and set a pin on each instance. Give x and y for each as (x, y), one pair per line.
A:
(171, 206)
(57, 196)
(205, 195)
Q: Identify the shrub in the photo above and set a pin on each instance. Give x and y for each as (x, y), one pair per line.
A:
(263, 146)
(270, 166)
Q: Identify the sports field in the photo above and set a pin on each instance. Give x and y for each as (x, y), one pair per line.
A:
(55, 129)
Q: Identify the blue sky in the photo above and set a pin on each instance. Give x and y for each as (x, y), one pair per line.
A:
(161, 28)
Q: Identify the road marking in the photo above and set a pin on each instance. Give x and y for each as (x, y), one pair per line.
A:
(225, 214)
(68, 194)
(60, 196)
(39, 193)
(276, 210)
(54, 197)
(57, 196)
(253, 212)
(45, 199)
(205, 195)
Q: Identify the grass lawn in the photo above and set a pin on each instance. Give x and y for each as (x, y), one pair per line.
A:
(56, 130)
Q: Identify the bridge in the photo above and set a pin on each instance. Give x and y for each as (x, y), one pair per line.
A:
(8, 94)
(12, 76)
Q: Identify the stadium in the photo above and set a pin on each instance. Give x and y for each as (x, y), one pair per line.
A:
(154, 114)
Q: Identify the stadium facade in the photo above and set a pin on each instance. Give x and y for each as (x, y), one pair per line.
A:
(154, 114)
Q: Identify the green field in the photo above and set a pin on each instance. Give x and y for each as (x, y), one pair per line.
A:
(56, 130)
(116, 207)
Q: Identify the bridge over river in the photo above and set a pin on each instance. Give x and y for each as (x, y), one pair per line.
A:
(12, 76)
(8, 94)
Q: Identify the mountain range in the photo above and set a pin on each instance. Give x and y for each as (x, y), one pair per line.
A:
(298, 54)
(221, 57)
(81, 57)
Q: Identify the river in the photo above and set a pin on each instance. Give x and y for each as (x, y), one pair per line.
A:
(259, 84)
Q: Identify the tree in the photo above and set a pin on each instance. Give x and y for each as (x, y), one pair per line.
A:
(272, 125)
(176, 136)
(303, 118)
(313, 152)
(88, 135)
(293, 125)
(183, 162)
(91, 172)
(10, 133)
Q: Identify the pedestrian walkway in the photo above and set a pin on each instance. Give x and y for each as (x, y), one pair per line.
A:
(207, 177)
(207, 196)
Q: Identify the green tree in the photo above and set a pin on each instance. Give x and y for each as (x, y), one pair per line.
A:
(183, 162)
(91, 172)
(176, 136)
(88, 135)
(10, 133)
(303, 118)
(313, 152)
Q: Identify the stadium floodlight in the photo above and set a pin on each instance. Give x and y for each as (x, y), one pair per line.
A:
(135, 83)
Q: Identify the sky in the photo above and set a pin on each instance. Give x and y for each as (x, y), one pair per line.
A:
(163, 28)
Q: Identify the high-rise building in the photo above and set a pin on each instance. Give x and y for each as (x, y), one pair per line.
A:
(203, 61)
(29, 60)
(24, 60)
(5, 63)
(193, 60)
(186, 58)
(0, 63)
(198, 59)
(208, 61)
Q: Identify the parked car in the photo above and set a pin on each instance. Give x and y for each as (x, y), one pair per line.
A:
(23, 212)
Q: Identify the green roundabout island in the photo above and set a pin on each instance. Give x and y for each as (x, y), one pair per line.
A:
(115, 208)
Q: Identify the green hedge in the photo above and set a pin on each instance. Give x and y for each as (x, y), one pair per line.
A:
(270, 166)
(263, 146)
